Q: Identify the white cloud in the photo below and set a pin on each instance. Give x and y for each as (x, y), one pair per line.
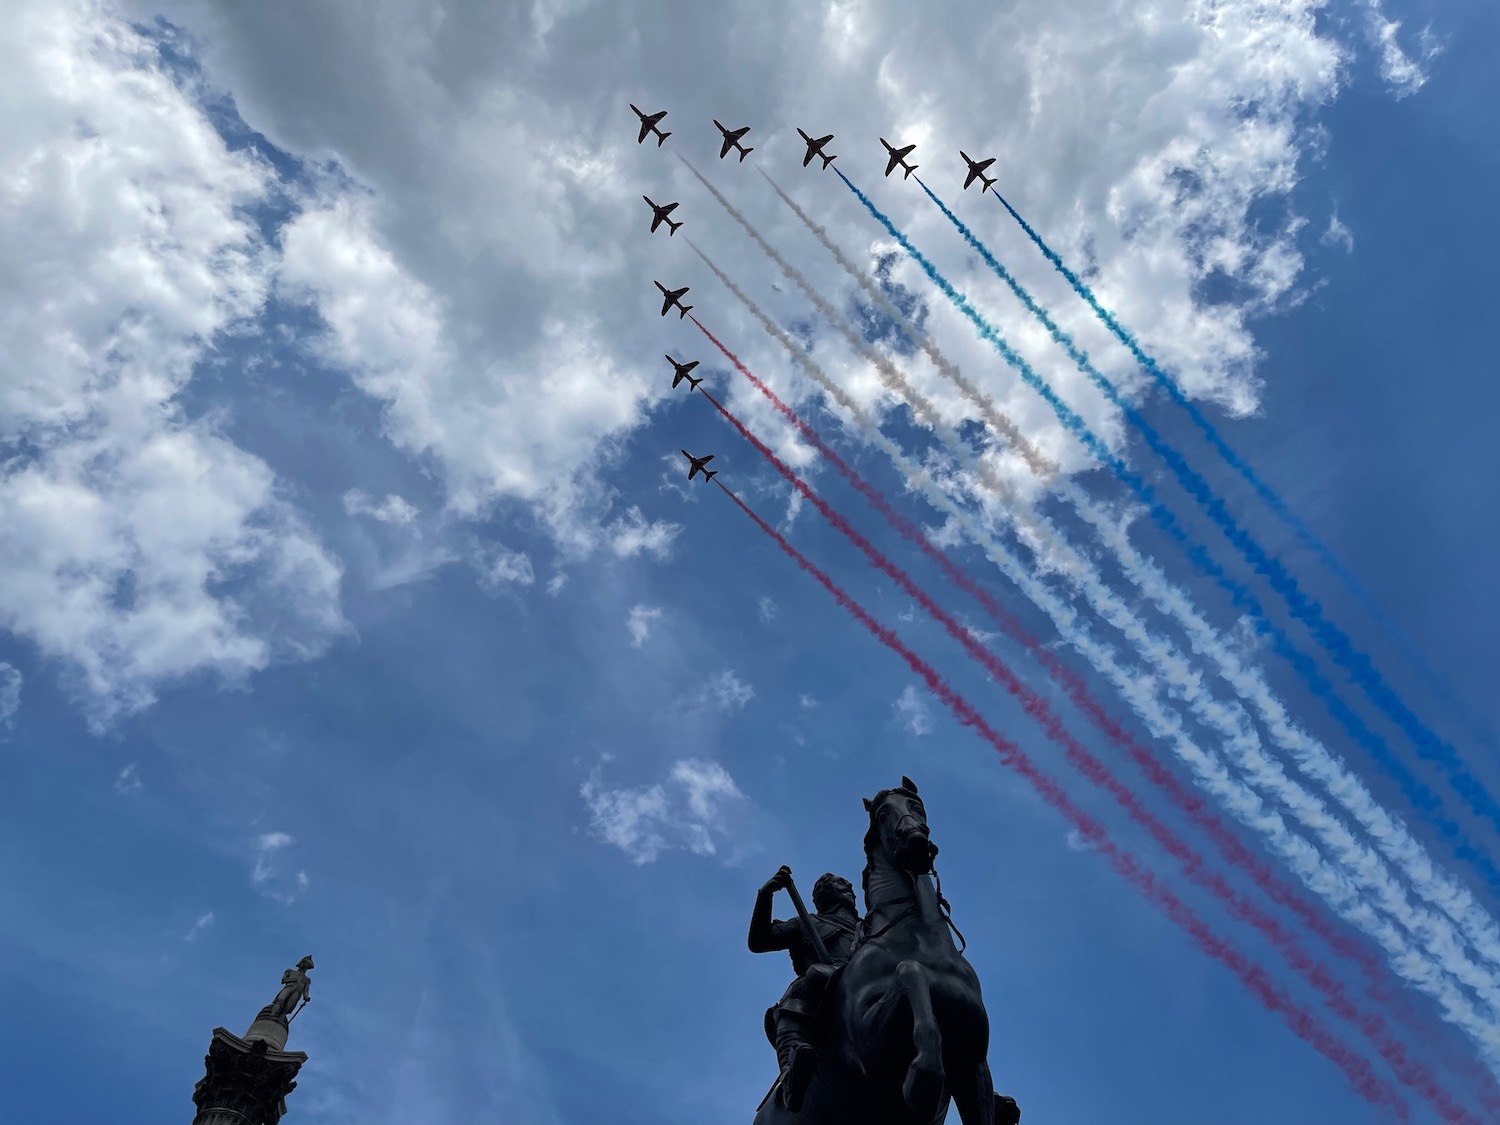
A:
(126, 249)
(556, 584)
(1076, 842)
(499, 567)
(727, 691)
(265, 844)
(686, 811)
(793, 510)
(1338, 234)
(128, 781)
(631, 535)
(10, 693)
(912, 711)
(1404, 73)
(639, 623)
(202, 923)
(1148, 137)
(266, 876)
(393, 509)
(806, 702)
(765, 609)
(496, 430)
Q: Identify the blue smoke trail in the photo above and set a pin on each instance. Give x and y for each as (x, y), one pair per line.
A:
(1267, 494)
(1306, 609)
(1418, 794)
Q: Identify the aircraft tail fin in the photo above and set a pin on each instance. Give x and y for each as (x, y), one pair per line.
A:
(910, 169)
(661, 138)
(708, 474)
(693, 383)
(672, 227)
(684, 310)
(744, 152)
(827, 160)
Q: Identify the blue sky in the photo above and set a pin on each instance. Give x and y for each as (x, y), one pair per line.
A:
(355, 604)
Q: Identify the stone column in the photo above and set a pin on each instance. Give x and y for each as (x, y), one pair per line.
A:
(246, 1080)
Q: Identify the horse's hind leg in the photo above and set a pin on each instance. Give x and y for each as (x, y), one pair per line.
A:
(924, 1088)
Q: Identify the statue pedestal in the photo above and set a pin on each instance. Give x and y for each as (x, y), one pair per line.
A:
(246, 1080)
(272, 1029)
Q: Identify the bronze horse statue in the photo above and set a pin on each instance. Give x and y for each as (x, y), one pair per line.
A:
(902, 1029)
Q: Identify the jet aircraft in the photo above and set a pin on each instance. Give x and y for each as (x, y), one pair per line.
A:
(732, 140)
(671, 297)
(648, 125)
(680, 372)
(698, 464)
(898, 156)
(662, 212)
(976, 171)
(815, 148)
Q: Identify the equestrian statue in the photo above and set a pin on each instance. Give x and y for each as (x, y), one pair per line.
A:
(884, 1024)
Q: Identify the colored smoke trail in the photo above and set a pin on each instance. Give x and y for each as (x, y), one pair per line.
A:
(1221, 785)
(1078, 692)
(1302, 606)
(1317, 974)
(922, 407)
(1302, 1022)
(1411, 964)
(1230, 722)
(1267, 494)
(999, 422)
(1413, 789)
(1315, 760)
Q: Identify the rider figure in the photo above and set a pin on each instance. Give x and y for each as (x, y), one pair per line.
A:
(789, 1023)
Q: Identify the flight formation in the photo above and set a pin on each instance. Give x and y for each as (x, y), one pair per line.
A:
(1366, 924)
(730, 141)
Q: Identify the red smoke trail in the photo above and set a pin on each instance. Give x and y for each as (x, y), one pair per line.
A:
(1356, 1068)
(1407, 1070)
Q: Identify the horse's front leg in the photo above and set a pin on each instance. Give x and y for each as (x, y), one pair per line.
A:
(924, 1088)
(978, 1104)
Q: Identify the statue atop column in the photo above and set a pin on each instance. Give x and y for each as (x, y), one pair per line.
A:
(885, 1024)
(273, 1022)
(247, 1078)
(296, 988)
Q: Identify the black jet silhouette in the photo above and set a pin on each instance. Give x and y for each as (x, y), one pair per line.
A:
(697, 466)
(815, 148)
(648, 125)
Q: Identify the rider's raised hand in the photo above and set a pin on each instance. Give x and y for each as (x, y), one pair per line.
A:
(779, 881)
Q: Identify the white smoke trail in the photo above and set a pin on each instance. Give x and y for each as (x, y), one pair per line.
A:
(1411, 963)
(1321, 765)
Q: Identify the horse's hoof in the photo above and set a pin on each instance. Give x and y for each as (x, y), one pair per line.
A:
(924, 1091)
(1007, 1112)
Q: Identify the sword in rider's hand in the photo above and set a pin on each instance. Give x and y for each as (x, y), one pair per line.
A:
(808, 929)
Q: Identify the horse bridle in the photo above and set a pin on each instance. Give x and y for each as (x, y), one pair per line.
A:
(861, 936)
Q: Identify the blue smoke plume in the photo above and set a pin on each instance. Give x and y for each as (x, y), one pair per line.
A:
(1268, 495)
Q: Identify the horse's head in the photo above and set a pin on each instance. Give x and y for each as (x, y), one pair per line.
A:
(898, 825)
